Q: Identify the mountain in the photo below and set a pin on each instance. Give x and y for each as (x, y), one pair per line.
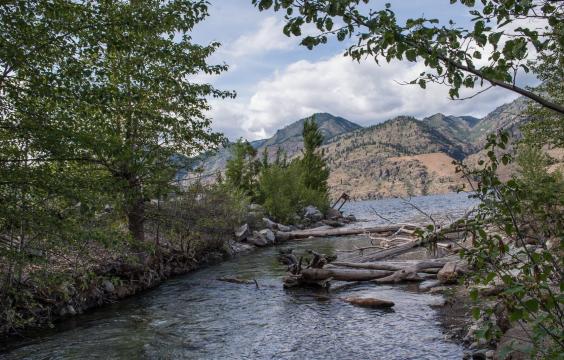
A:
(289, 139)
(402, 156)
(405, 156)
(398, 157)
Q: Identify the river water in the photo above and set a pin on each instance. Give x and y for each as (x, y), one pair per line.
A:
(198, 317)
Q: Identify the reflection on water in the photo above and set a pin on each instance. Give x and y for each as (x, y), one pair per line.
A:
(198, 317)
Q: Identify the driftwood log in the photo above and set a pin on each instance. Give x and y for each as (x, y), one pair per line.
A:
(304, 234)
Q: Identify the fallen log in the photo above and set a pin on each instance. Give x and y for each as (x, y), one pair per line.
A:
(431, 266)
(304, 234)
(313, 275)
(407, 274)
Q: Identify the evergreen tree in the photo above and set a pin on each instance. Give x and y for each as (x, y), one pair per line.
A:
(315, 171)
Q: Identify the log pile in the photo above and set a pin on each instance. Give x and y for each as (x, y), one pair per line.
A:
(367, 263)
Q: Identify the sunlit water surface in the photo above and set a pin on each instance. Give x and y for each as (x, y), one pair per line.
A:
(197, 317)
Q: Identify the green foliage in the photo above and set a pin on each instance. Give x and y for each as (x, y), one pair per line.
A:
(283, 188)
(96, 102)
(448, 51)
(315, 172)
(517, 240)
(242, 169)
(285, 193)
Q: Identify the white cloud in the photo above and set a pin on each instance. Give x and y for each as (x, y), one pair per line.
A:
(361, 92)
(267, 37)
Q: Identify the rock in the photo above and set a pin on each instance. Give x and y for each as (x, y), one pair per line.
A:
(369, 302)
(268, 235)
(270, 224)
(242, 233)
(333, 223)
(108, 286)
(479, 354)
(490, 354)
(67, 311)
(312, 214)
(333, 214)
(238, 248)
(254, 219)
(350, 218)
(450, 272)
(284, 228)
(257, 239)
(282, 236)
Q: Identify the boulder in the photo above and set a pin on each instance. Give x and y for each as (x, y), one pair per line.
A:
(333, 214)
(257, 239)
(242, 233)
(268, 235)
(270, 224)
(350, 218)
(282, 236)
(372, 303)
(108, 286)
(450, 272)
(312, 214)
(284, 228)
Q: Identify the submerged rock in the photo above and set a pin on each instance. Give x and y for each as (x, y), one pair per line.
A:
(372, 303)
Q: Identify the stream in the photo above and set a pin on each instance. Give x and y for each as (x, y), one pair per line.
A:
(197, 317)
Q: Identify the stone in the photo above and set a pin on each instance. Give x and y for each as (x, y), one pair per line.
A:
(350, 218)
(282, 236)
(490, 354)
(372, 303)
(333, 223)
(284, 228)
(67, 311)
(312, 214)
(479, 354)
(240, 248)
(270, 224)
(333, 214)
(268, 235)
(242, 233)
(257, 239)
(108, 286)
(450, 273)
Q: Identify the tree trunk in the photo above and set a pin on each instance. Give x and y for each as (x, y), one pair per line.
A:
(136, 219)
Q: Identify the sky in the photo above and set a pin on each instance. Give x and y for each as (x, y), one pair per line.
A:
(277, 81)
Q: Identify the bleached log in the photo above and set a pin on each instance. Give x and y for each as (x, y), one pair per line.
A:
(431, 266)
(304, 234)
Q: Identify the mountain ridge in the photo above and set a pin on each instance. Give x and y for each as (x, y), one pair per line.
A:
(398, 157)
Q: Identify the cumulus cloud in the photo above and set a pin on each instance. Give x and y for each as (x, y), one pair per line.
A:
(361, 92)
(266, 38)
